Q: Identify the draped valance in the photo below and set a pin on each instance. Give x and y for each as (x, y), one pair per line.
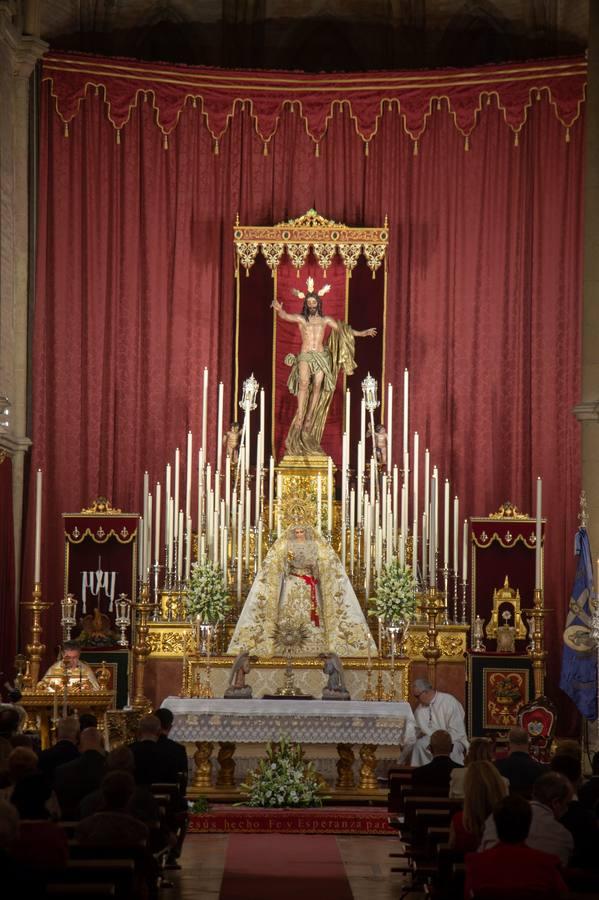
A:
(218, 94)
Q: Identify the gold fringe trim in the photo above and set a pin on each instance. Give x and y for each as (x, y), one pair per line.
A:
(165, 141)
(118, 135)
(265, 149)
(66, 129)
(317, 154)
(415, 149)
(567, 135)
(467, 143)
(516, 142)
(216, 152)
(365, 148)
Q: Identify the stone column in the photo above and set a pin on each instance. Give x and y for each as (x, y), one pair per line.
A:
(19, 53)
(587, 411)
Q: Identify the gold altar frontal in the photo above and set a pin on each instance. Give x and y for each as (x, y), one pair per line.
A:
(44, 707)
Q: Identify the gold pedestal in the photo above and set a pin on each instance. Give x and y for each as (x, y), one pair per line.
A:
(368, 780)
(203, 761)
(345, 767)
(225, 777)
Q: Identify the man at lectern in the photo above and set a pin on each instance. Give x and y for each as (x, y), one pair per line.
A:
(80, 675)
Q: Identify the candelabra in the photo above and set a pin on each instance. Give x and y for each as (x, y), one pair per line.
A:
(464, 585)
(68, 607)
(141, 647)
(35, 649)
(431, 606)
(204, 636)
(478, 635)
(538, 654)
(123, 617)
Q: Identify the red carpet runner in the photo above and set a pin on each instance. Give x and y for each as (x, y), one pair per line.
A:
(329, 820)
(284, 867)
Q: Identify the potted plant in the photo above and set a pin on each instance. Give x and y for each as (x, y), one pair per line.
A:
(283, 779)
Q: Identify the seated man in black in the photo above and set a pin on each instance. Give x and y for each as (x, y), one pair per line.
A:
(174, 753)
(436, 774)
(520, 769)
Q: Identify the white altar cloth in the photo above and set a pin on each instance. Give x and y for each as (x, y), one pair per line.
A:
(304, 721)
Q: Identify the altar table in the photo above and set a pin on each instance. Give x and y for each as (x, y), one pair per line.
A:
(340, 723)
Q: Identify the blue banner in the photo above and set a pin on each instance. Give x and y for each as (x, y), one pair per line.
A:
(579, 662)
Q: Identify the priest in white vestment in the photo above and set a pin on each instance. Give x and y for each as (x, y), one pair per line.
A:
(302, 580)
(436, 711)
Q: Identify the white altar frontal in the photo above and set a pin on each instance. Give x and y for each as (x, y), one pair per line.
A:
(328, 730)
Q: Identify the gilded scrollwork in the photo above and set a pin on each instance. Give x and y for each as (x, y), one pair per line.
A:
(272, 253)
(247, 252)
(298, 253)
(374, 253)
(350, 253)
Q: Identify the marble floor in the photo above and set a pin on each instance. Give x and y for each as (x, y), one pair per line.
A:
(366, 860)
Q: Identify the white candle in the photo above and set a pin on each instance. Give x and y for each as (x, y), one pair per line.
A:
(205, 409)
(432, 563)
(435, 518)
(140, 547)
(347, 423)
(427, 482)
(157, 523)
(360, 472)
(176, 490)
(209, 499)
(319, 503)
(259, 543)
(396, 512)
(180, 545)
(366, 547)
(215, 534)
(415, 475)
(248, 526)
(167, 497)
(258, 482)
(38, 527)
(456, 522)
(424, 547)
(330, 496)
(271, 492)
(406, 391)
(389, 427)
(170, 526)
(217, 490)
(403, 533)
(352, 516)
(248, 423)
(227, 518)
(200, 490)
(188, 475)
(260, 462)
(188, 550)
(539, 537)
(279, 503)
(446, 525)
(239, 550)
(144, 532)
(363, 425)
(219, 425)
(372, 479)
(148, 546)
(233, 524)
(225, 550)
(465, 552)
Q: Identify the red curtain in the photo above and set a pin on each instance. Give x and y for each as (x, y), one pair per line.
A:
(136, 294)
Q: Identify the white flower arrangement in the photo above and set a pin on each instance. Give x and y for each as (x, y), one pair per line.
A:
(395, 599)
(207, 596)
(283, 779)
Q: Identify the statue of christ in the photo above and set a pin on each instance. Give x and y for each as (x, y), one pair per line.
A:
(315, 368)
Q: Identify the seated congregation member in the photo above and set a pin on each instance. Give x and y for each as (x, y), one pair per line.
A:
(12, 882)
(520, 769)
(480, 748)
(173, 752)
(64, 750)
(436, 711)
(436, 773)
(153, 763)
(87, 720)
(9, 722)
(580, 821)
(483, 789)
(551, 795)
(588, 793)
(142, 804)
(76, 779)
(41, 843)
(512, 864)
(22, 764)
(112, 825)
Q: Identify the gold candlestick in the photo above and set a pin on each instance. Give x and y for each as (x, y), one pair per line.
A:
(537, 651)
(141, 647)
(431, 606)
(35, 649)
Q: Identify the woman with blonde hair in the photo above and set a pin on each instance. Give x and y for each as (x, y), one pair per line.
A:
(483, 789)
(480, 748)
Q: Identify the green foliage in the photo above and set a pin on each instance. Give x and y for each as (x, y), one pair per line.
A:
(395, 599)
(283, 779)
(207, 596)
(200, 805)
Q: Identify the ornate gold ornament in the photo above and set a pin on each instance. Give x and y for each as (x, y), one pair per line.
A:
(507, 510)
(310, 231)
(101, 506)
(506, 596)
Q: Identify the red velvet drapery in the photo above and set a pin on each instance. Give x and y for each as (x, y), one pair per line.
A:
(136, 294)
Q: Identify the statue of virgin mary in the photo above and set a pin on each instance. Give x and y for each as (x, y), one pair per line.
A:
(302, 581)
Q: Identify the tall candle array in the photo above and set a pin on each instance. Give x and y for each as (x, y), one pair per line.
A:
(376, 508)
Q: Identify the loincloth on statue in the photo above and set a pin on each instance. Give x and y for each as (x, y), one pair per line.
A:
(318, 361)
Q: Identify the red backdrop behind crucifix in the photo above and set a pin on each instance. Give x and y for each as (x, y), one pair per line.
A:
(263, 343)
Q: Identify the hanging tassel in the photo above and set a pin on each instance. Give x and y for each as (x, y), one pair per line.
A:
(97, 90)
(567, 135)
(317, 154)
(488, 99)
(265, 149)
(145, 98)
(365, 148)
(66, 129)
(516, 141)
(538, 96)
(438, 103)
(467, 143)
(216, 149)
(193, 102)
(118, 135)
(415, 148)
(165, 142)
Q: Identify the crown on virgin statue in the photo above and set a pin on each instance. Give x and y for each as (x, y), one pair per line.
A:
(311, 292)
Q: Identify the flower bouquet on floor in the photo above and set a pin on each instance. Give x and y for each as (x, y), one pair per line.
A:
(283, 779)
